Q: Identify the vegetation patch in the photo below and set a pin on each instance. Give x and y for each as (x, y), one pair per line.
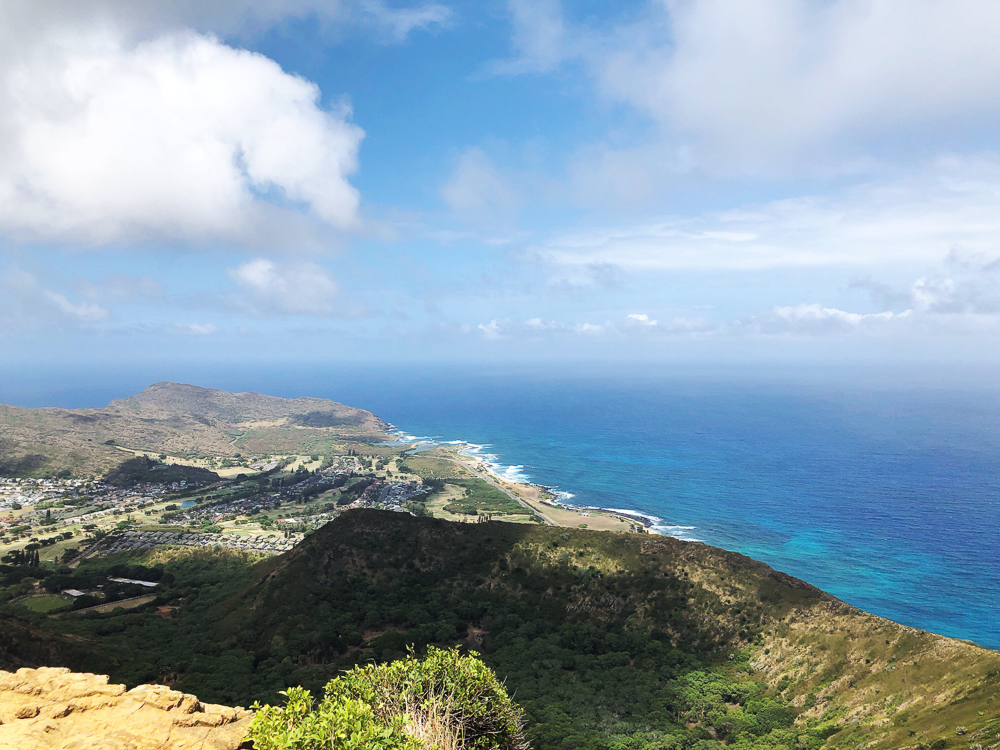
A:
(446, 701)
(480, 497)
(607, 641)
(46, 604)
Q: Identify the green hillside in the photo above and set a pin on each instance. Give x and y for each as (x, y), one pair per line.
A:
(606, 640)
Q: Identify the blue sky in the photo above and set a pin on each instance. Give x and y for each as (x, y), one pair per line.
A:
(689, 180)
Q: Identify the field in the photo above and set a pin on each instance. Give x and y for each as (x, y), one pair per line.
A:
(430, 466)
(45, 604)
(474, 496)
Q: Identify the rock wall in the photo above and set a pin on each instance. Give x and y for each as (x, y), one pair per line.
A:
(55, 709)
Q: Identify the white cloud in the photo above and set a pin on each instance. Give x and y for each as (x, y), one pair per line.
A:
(641, 318)
(401, 21)
(765, 85)
(963, 285)
(294, 288)
(960, 297)
(493, 329)
(178, 137)
(85, 312)
(539, 37)
(631, 326)
(198, 329)
(971, 289)
(477, 190)
(814, 319)
(950, 204)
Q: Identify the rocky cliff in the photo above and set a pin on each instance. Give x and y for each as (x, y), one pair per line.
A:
(53, 708)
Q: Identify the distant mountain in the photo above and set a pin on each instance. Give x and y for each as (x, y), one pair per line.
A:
(181, 420)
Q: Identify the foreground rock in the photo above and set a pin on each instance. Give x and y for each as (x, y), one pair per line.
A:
(54, 708)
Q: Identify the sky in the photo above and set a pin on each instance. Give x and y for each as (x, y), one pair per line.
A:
(373, 181)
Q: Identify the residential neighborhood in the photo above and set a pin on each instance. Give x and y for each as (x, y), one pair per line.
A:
(67, 520)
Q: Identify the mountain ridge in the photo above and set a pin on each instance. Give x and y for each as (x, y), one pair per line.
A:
(587, 624)
(176, 418)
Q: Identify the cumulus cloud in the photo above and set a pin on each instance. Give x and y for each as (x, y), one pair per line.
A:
(959, 297)
(817, 320)
(493, 329)
(176, 137)
(963, 285)
(295, 288)
(641, 319)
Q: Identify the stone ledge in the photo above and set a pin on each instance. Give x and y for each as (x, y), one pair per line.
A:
(52, 708)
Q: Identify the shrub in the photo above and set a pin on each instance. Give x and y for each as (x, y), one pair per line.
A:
(338, 722)
(445, 700)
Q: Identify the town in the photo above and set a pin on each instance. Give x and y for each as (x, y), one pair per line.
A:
(66, 520)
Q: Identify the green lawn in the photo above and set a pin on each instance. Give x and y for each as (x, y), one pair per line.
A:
(45, 604)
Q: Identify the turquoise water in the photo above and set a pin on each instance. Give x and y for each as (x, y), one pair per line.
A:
(188, 504)
(888, 497)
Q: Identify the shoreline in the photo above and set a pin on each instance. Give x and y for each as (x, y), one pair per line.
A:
(538, 499)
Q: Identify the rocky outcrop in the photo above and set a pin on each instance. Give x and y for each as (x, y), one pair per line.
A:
(55, 709)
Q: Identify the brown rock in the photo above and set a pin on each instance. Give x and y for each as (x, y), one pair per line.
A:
(54, 709)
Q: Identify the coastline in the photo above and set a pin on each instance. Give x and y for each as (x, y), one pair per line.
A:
(537, 499)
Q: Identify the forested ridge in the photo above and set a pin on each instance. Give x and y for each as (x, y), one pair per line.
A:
(606, 640)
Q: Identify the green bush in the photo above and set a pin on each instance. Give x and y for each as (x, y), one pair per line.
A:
(446, 700)
(338, 723)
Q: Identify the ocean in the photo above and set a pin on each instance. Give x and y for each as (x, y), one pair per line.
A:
(887, 498)
(885, 495)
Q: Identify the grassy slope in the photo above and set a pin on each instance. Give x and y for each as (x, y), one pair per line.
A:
(856, 678)
(809, 645)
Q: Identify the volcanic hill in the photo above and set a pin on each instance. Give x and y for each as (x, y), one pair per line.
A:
(182, 420)
(606, 639)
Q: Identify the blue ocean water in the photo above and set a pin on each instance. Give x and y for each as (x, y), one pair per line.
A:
(886, 496)
(889, 499)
